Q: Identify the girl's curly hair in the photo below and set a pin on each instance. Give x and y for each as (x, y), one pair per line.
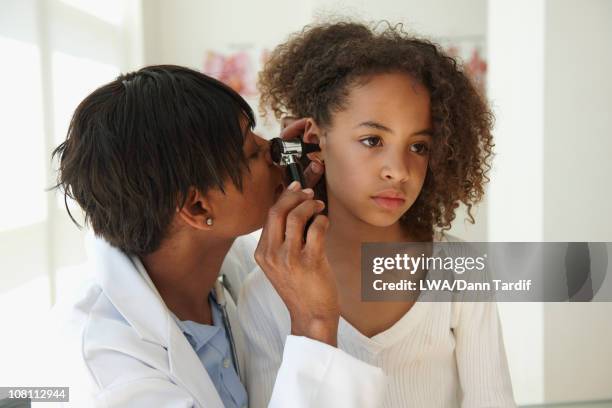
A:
(311, 74)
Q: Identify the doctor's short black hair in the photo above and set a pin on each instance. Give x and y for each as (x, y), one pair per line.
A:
(137, 144)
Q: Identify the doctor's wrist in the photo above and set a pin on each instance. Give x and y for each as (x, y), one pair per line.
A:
(323, 330)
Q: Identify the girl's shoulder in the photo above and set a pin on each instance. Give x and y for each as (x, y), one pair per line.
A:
(259, 301)
(256, 284)
(442, 236)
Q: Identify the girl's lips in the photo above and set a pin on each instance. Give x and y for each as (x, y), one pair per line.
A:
(389, 203)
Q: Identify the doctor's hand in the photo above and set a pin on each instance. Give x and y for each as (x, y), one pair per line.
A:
(298, 270)
(292, 128)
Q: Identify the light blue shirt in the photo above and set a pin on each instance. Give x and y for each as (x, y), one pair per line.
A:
(212, 346)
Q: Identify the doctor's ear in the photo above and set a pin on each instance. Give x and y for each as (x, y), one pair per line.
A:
(197, 210)
(314, 134)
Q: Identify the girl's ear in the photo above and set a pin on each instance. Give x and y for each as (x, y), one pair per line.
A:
(314, 134)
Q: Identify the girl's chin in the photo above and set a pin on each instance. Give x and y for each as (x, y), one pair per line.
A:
(382, 221)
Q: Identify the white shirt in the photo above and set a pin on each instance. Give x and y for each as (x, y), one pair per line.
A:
(439, 354)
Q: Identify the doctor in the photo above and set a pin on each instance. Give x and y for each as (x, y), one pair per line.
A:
(168, 173)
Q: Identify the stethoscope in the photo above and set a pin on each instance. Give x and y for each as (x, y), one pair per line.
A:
(222, 302)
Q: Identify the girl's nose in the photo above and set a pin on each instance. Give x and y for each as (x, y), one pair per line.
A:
(395, 168)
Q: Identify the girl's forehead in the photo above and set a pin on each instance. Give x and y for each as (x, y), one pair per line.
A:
(389, 99)
(385, 85)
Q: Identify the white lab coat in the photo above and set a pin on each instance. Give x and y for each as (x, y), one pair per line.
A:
(126, 350)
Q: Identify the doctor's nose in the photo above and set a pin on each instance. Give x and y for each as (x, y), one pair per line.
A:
(267, 153)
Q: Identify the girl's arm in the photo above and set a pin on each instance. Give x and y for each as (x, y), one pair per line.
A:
(481, 357)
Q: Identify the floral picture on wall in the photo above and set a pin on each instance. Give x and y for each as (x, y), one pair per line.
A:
(470, 53)
(237, 69)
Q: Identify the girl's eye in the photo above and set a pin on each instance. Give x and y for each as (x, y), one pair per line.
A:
(421, 148)
(371, 141)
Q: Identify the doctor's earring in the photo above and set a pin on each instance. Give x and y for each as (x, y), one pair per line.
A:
(209, 222)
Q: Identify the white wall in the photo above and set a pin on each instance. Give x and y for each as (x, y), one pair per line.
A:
(179, 32)
(577, 187)
(515, 198)
(434, 18)
(549, 82)
(578, 121)
(55, 52)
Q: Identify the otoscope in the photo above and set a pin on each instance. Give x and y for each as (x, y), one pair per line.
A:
(288, 152)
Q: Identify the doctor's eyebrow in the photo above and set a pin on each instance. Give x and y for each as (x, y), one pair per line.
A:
(379, 126)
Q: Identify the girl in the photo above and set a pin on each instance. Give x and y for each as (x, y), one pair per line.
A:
(404, 138)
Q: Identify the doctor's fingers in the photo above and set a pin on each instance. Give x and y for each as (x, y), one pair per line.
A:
(287, 120)
(313, 173)
(296, 222)
(294, 129)
(315, 238)
(273, 234)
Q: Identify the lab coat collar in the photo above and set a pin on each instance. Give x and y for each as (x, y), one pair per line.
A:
(130, 291)
(127, 285)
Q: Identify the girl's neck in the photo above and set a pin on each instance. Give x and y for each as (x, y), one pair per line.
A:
(345, 235)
